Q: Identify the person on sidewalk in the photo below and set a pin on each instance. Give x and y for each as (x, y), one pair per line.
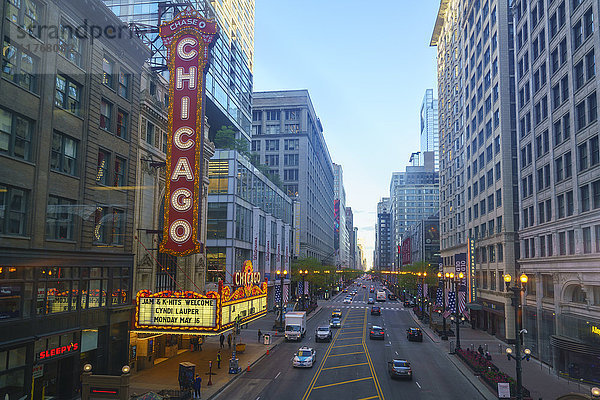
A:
(221, 340)
(480, 350)
(219, 359)
(229, 341)
(259, 335)
(197, 386)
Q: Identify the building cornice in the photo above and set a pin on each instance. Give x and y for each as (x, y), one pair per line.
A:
(439, 22)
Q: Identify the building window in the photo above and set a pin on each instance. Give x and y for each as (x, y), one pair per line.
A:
(70, 45)
(292, 128)
(562, 243)
(68, 95)
(124, 81)
(60, 222)
(256, 115)
(150, 133)
(26, 14)
(103, 165)
(587, 240)
(290, 174)
(108, 72)
(291, 144)
(19, 66)
(13, 203)
(571, 238)
(118, 225)
(122, 120)
(15, 135)
(119, 172)
(105, 115)
(256, 145)
(64, 154)
(291, 159)
(273, 115)
(292, 115)
(272, 145)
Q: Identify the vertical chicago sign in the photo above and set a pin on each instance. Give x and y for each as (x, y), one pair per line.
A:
(188, 39)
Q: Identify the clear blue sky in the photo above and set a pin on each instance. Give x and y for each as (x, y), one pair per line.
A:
(366, 65)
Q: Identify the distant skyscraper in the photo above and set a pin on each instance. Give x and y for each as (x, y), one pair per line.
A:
(430, 139)
(340, 235)
(351, 237)
(383, 236)
(229, 77)
(288, 137)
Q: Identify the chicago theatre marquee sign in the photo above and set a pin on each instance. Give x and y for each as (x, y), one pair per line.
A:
(210, 313)
(188, 39)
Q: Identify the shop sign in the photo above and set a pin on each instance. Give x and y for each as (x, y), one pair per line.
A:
(38, 371)
(175, 311)
(503, 390)
(471, 272)
(595, 330)
(57, 351)
(188, 39)
(247, 277)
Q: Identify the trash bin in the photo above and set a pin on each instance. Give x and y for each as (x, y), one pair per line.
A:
(266, 338)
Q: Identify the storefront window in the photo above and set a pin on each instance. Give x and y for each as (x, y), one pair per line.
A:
(94, 293)
(10, 302)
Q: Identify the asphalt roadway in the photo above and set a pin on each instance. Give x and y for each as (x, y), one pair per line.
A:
(352, 366)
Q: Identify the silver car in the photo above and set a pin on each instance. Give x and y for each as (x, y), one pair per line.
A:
(323, 333)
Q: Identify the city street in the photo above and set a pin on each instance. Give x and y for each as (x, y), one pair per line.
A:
(352, 366)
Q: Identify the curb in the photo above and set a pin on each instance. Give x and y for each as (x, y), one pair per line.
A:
(259, 359)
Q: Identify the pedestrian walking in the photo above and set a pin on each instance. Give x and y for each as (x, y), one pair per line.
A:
(229, 341)
(197, 386)
(219, 359)
(480, 350)
(221, 340)
(259, 335)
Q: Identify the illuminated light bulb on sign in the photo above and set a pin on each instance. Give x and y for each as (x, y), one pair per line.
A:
(180, 231)
(181, 199)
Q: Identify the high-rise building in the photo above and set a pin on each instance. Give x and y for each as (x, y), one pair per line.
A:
(288, 137)
(229, 77)
(351, 238)
(414, 195)
(477, 128)
(430, 140)
(383, 237)
(559, 180)
(340, 235)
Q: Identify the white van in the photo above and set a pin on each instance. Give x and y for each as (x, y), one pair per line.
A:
(381, 295)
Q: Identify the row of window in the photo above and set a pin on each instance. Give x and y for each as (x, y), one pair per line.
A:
(567, 243)
(484, 206)
(272, 160)
(275, 115)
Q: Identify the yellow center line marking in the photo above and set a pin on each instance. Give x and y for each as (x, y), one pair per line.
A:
(377, 386)
(316, 376)
(341, 383)
(346, 354)
(353, 337)
(344, 366)
(369, 398)
(346, 345)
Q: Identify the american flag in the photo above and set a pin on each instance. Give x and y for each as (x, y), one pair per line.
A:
(286, 293)
(419, 290)
(451, 305)
(300, 290)
(462, 306)
(439, 297)
(277, 295)
(426, 291)
(306, 287)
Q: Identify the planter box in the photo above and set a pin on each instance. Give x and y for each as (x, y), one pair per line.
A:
(240, 347)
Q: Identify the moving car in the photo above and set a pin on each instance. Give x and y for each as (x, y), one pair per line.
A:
(336, 313)
(391, 296)
(377, 332)
(323, 333)
(305, 357)
(370, 301)
(345, 290)
(408, 304)
(375, 310)
(372, 289)
(399, 369)
(347, 300)
(335, 323)
(381, 295)
(414, 335)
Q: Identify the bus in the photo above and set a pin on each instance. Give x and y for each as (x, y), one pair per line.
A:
(380, 295)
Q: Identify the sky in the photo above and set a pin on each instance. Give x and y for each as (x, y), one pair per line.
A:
(366, 65)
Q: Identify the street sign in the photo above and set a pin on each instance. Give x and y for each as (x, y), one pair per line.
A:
(504, 390)
(38, 371)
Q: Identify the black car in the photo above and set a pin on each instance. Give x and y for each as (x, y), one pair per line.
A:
(399, 369)
(414, 335)
(377, 332)
(391, 296)
(409, 304)
(375, 310)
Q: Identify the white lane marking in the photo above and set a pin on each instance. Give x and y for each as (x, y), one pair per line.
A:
(258, 398)
(276, 376)
(418, 385)
(390, 342)
(396, 353)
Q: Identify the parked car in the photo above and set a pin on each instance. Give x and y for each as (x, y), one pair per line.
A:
(305, 357)
(335, 323)
(399, 369)
(377, 332)
(323, 333)
(414, 335)
(370, 301)
(375, 310)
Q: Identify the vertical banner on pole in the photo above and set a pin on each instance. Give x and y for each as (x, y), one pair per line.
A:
(286, 246)
(472, 270)
(278, 249)
(268, 244)
(255, 236)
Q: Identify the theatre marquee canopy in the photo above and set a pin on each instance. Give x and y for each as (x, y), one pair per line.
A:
(210, 313)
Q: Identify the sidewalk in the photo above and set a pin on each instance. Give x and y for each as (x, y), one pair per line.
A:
(163, 376)
(538, 378)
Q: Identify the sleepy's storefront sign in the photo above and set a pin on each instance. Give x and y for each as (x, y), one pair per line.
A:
(188, 39)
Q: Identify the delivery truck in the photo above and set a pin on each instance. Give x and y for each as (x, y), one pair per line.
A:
(295, 325)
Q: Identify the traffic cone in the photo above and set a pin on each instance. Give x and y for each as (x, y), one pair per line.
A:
(267, 351)
(248, 369)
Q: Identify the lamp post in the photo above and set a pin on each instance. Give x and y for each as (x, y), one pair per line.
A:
(281, 275)
(422, 276)
(443, 282)
(303, 275)
(516, 303)
(456, 279)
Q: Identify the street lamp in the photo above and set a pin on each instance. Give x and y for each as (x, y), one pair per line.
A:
(595, 393)
(456, 279)
(443, 278)
(422, 276)
(281, 275)
(303, 275)
(516, 303)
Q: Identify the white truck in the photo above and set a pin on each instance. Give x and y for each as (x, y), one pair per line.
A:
(381, 295)
(295, 325)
